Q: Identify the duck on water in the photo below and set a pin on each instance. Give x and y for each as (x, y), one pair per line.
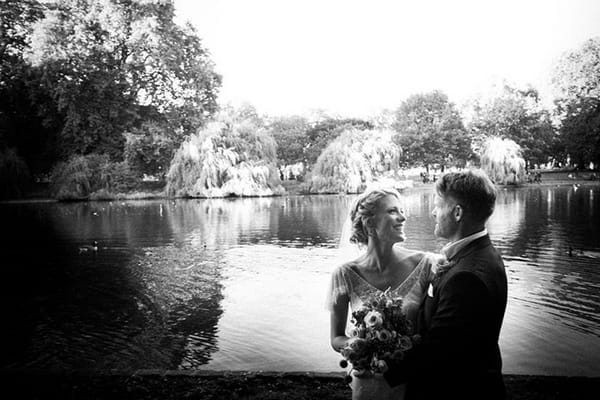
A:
(89, 248)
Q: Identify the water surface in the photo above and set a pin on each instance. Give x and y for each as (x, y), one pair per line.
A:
(239, 284)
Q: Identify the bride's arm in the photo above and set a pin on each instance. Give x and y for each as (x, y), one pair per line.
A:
(339, 317)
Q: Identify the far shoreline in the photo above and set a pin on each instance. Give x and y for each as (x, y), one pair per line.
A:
(292, 187)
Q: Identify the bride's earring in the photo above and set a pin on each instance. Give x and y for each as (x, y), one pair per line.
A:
(372, 231)
(368, 230)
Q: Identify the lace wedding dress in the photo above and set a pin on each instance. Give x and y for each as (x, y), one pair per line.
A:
(346, 280)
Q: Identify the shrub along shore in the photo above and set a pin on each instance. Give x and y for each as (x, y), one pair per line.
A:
(208, 385)
(156, 190)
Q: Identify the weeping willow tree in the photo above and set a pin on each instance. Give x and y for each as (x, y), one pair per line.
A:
(92, 176)
(353, 160)
(501, 159)
(227, 158)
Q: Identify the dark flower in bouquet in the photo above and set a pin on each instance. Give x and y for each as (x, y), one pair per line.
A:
(380, 333)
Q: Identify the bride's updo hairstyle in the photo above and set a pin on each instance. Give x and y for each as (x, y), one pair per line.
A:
(363, 210)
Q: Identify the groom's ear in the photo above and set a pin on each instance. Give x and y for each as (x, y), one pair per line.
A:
(458, 213)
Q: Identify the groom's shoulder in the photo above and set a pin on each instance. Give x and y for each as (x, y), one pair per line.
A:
(486, 264)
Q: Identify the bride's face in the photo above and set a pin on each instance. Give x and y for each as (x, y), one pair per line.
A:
(388, 223)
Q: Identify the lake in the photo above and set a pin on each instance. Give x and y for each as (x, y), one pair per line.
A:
(240, 284)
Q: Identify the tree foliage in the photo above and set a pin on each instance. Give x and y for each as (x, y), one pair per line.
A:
(517, 115)
(430, 131)
(576, 75)
(321, 134)
(14, 174)
(291, 138)
(149, 149)
(232, 156)
(576, 79)
(27, 115)
(81, 177)
(111, 64)
(580, 132)
(502, 161)
(16, 17)
(353, 160)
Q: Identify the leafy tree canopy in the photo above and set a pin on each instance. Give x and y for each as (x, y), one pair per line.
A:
(14, 174)
(324, 132)
(577, 73)
(519, 116)
(149, 149)
(16, 17)
(576, 79)
(111, 63)
(91, 176)
(354, 159)
(430, 131)
(502, 161)
(291, 138)
(233, 155)
(580, 132)
(27, 116)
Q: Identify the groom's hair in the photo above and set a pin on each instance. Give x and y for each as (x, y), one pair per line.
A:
(364, 209)
(472, 189)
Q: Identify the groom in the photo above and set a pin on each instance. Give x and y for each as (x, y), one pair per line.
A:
(461, 316)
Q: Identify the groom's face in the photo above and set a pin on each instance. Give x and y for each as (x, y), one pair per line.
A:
(443, 211)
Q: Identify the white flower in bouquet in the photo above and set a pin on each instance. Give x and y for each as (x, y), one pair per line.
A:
(373, 319)
(359, 332)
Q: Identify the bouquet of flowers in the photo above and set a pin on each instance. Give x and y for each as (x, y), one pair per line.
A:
(380, 333)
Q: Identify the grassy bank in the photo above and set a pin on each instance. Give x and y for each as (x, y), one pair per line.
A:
(167, 385)
(156, 190)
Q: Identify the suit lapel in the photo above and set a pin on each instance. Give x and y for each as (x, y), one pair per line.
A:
(429, 304)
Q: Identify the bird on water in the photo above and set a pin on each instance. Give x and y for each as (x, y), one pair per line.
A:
(89, 247)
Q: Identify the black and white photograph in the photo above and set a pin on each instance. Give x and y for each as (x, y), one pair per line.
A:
(286, 199)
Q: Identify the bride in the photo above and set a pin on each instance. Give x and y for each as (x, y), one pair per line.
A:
(377, 222)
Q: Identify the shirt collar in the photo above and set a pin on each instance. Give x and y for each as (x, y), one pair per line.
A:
(451, 249)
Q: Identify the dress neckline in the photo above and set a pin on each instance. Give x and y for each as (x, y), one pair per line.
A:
(392, 289)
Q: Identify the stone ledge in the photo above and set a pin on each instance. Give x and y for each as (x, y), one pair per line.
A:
(204, 384)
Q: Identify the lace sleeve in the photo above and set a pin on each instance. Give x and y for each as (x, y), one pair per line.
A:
(339, 288)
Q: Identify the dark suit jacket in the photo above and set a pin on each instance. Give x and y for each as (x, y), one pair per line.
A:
(459, 356)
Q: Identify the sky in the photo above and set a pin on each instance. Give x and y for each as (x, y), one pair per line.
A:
(356, 58)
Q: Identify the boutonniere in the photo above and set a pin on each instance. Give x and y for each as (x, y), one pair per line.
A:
(438, 270)
(442, 266)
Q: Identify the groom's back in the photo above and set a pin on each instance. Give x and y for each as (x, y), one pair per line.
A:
(487, 265)
(461, 325)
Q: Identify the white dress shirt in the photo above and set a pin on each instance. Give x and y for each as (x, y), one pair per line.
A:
(451, 249)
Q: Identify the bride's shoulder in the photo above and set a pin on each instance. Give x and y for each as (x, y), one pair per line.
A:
(409, 254)
(417, 256)
(345, 267)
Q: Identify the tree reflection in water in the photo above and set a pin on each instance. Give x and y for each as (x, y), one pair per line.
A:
(228, 283)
